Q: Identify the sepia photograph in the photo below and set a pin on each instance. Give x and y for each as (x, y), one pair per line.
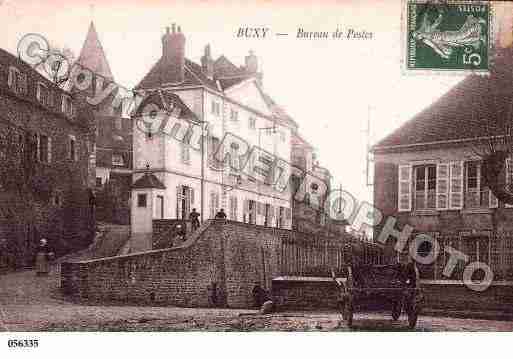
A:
(335, 169)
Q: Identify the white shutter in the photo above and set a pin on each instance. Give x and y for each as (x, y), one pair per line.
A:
(11, 77)
(456, 185)
(191, 190)
(49, 144)
(508, 179)
(38, 93)
(493, 201)
(77, 151)
(178, 201)
(404, 190)
(442, 186)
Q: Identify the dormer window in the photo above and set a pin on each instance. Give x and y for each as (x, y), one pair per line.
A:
(216, 108)
(252, 123)
(44, 95)
(67, 105)
(234, 115)
(17, 81)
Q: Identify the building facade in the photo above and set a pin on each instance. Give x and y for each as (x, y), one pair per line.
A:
(45, 146)
(225, 101)
(429, 174)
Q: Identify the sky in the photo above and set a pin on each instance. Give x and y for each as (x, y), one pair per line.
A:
(332, 87)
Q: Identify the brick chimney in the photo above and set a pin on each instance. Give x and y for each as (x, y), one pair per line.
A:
(173, 54)
(207, 64)
(251, 63)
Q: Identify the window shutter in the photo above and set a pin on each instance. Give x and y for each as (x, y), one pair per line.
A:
(10, 79)
(442, 186)
(38, 147)
(77, 150)
(508, 179)
(192, 195)
(271, 212)
(493, 201)
(404, 190)
(288, 214)
(178, 202)
(246, 206)
(456, 185)
(49, 149)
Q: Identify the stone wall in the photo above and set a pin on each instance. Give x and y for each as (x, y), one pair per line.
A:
(234, 255)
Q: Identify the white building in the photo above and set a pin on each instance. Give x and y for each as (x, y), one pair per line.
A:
(171, 177)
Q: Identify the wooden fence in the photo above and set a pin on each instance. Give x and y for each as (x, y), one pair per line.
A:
(494, 250)
(305, 257)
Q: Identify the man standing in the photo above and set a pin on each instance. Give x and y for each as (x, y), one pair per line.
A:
(194, 217)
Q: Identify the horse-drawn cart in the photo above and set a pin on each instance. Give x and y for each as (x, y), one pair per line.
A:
(396, 286)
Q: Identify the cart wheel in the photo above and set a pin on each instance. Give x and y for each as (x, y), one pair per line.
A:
(412, 316)
(396, 310)
(348, 314)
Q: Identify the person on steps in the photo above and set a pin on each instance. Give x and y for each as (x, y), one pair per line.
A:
(194, 218)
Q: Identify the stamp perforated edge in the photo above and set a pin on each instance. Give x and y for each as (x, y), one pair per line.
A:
(446, 72)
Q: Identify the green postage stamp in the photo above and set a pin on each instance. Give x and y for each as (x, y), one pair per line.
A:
(448, 36)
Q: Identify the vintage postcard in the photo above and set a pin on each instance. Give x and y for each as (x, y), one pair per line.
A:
(261, 166)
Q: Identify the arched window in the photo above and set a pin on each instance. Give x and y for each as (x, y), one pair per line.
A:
(17, 81)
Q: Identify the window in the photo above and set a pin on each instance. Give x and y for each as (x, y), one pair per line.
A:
(215, 108)
(424, 187)
(267, 214)
(184, 201)
(44, 150)
(185, 153)
(67, 105)
(118, 125)
(57, 199)
(234, 115)
(141, 200)
(476, 194)
(234, 157)
(44, 95)
(252, 123)
(282, 136)
(117, 160)
(214, 204)
(233, 208)
(281, 217)
(213, 147)
(98, 181)
(17, 81)
(72, 149)
(251, 210)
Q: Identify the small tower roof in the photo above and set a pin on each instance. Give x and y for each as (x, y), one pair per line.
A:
(92, 55)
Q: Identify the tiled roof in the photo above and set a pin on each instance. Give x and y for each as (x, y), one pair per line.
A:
(460, 113)
(92, 55)
(169, 102)
(225, 68)
(226, 83)
(193, 76)
(148, 181)
(277, 110)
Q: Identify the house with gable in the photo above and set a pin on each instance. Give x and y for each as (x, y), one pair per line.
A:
(227, 99)
(429, 174)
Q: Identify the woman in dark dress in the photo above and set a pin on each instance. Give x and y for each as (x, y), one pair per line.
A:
(43, 257)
